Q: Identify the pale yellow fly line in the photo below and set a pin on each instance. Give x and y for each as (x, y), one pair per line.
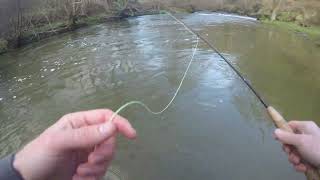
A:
(175, 94)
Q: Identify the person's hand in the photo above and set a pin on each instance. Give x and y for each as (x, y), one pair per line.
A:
(80, 146)
(302, 147)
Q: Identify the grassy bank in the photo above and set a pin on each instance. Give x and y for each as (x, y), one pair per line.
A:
(312, 32)
(291, 21)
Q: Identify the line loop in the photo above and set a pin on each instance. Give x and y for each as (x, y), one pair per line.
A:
(172, 99)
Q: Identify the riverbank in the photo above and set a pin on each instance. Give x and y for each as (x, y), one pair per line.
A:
(33, 30)
(57, 28)
(63, 27)
(311, 32)
(48, 30)
(294, 15)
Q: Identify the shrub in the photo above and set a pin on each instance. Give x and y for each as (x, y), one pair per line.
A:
(287, 16)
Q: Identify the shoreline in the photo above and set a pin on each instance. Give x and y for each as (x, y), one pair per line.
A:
(311, 32)
(47, 31)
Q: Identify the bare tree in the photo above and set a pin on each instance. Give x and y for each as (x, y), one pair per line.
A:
(276, 7)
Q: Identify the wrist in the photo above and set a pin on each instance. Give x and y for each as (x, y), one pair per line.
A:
(17, 166)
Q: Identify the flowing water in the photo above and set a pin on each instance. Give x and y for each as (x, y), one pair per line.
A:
(216, 128)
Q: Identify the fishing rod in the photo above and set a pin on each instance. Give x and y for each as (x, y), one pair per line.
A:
(263, 102)
(312, 172)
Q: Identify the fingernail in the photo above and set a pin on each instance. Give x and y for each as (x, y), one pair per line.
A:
(134, 134)
(277, 131)
(276, 134)
(107, 128)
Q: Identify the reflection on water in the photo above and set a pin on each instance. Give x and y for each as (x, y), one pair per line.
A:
(282, 65)
(216, 129)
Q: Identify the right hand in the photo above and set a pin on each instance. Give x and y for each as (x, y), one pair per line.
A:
(80, 146)
(303, 146)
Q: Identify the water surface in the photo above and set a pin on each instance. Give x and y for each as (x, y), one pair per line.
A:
(216, 128)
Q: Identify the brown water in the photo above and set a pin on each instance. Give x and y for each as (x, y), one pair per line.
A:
(216, 128)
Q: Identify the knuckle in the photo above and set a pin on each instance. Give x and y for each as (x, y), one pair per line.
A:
(294, 122)
(303, 140)
(51, 141)
(108, 111)
(67, 117)
(81, 135)
(311, 123)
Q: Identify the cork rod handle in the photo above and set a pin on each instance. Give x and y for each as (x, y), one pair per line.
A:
(312, 172)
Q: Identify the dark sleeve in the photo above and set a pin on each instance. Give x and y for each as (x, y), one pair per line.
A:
(7, 171)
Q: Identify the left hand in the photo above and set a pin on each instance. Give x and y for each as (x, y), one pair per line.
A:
(80, 146)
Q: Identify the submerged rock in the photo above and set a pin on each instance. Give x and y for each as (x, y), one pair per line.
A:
(3, 46)
(125, 67)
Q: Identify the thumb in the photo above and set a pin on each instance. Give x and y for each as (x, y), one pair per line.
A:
(87, 137)
(287, 137)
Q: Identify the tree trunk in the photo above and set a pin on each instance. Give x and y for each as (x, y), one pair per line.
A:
(275, 11)
(274, 15)
(19, 23)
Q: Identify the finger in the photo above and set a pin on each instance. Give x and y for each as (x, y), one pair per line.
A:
(84, 137)
(294, 158)
(125, 128)
(287, 148)
(78, 177)
(308, 127)
(87, 118)
(94, 117)
(103, 152)
(301, 168)
(91, 170)
(288, 138)
(82, 156)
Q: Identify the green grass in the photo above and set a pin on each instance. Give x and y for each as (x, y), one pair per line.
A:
(45, 28)
(92, 20)
(53, 26)
(313, 32)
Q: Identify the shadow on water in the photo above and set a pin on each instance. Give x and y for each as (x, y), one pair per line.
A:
(216, 129)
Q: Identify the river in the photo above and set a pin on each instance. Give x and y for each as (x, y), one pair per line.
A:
(215, 129)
